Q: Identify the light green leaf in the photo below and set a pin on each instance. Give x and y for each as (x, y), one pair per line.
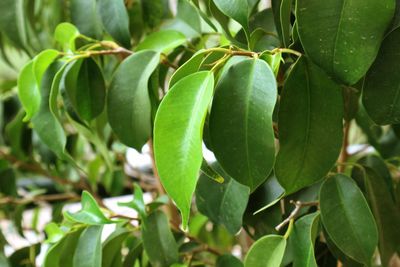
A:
(53, 233)
(115, 20)
(89, 214)
(158, 240)
(28, 92)
(381, 87)
(331, 33)
(112, 254)
(187, 20)
(65, 34)
(129, 108)
(307, 150)
(347, 218)
(266, 252)
(178, 137)
(235, 9)
(302, 238)
(223, 203)
(84, 15)
(162, 41)
(241, 130)
(88, 251)
(42, 62)
(137, 203)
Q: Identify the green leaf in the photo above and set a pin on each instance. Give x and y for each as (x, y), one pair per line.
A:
(190, 66)
(187, 20)
(44, 120)
(178, 137)
(129, 107)
(158, 240)
(112, 254)
(223, 203)
(228, 261)
(241, 130)
(42, 62)
(266, 252)
(162, 41)
(347, 218)
(235, 9)
(302, 238)
(285, 14)
(331, 33)
(28, 92)
(65, 34)
(386, 214)
(381, 87)
(88, 251)
(8, 185)
(85, 86)
(137, 203)
(12, 21)
(84, 15)
(307, 150)
(115, 20)
(90, 213)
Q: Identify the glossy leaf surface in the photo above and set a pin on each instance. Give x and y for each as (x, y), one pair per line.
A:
(266, 252)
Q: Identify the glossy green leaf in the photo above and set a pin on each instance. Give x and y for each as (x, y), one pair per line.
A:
(89, 214)
(115, 20)
(65, 34)
(84, 15)
(178, 137)
(158, 240)
(112, 254)
(235, 9)
(242, 137)
(381, 87)
(42, 62)
(302, 238)
(266, 252)
(162, 41)
(307, 150)
(189, 67)
(88, 251)
(228, 261)
(129, 108)
(223, 203)
(332, 32)
(384, 210)
(347, 218)
(28, 92)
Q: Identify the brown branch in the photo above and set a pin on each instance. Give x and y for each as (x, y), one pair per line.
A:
(298, 205)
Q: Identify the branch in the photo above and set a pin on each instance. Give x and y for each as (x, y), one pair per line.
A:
(40, 198)
(298, 205)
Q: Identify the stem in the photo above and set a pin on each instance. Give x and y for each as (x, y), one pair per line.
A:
(290, 228)
(294, 213)
(343, 154)
(287, 51)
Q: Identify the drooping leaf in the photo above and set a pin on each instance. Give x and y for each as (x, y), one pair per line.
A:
(88, 251)
(266, 252)
(331, 33)
(307, 150)
(228, 261)
(223, 203)
(65, 34)
(115, 20)
(42, 62)
(89, 214)
(381, 87)
(178, 137)
(236, 9)
(302, 238)
(347, 218)
(162, 41)
(28, 92)
(242, 137)
(129, 108)
(158, 240)
(84, 15)
(112, 254)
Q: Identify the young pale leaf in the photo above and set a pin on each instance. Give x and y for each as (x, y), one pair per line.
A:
(331, 33)
(128, 102)
(42, 62)
(178, 137)
(65, 34)
(115, 20)
(266, 252)
(84, 15)
(88, 251)
(112, 255)
(90, 213)
(386, 215)
(158, 240)
(347, 218)
(307, 150)
(302, 238)
(381, 87)
(228, 261)
(241, 130)
(162, 41)
(28, 91)
(223, 203)
(235, 9)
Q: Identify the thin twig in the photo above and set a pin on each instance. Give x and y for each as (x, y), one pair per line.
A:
(39, 198)
(298, 205)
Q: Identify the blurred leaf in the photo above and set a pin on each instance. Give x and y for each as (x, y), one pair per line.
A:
(8, 185)
(228, 261)
(187, 20)
(25, 257)
(162, 41)
(13, 23)
(112, 254)
(88, 251)
(137, 203)
(84, 16)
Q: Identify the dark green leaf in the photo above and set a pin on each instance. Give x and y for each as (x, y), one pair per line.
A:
(228, 261)
(331, 33)
(88, 251)
(223, 203)
(266, 252)
(158, 240)
(112, 254)
(307, 150)
(12, 21)
(347, 218)
(8, 185)
(115, 20)
(285, 14)
(129, 108)
(178, 137)
(84, 16)
(242, 137)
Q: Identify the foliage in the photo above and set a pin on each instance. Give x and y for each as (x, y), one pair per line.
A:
(299, 103)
